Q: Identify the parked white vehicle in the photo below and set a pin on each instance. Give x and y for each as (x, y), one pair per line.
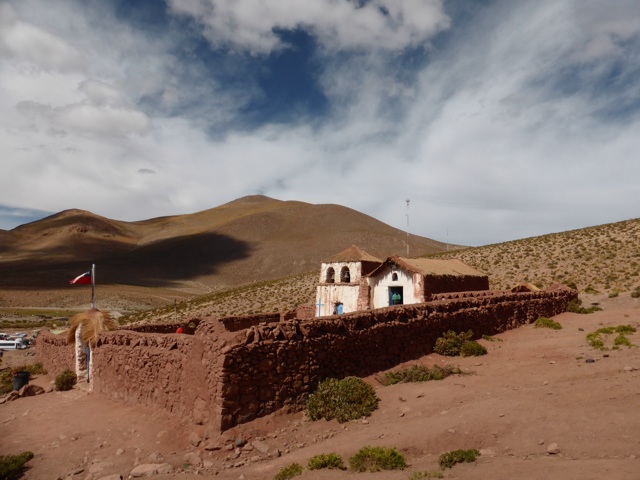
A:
(12, 344)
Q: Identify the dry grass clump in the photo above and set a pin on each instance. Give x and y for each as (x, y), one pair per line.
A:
(348, 399)
(376, 459)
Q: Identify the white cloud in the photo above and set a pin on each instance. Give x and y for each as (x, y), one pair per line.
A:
(522, 121)
(29, 43)
(337, 24)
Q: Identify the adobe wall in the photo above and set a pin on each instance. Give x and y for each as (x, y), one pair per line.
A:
(279, 365)
(450, 283)
(223, 378)
(178, 373)
(54, 353)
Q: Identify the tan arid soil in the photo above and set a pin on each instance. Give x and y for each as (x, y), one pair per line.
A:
(533, 389)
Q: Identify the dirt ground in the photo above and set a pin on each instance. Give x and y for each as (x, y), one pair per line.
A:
(535, 388)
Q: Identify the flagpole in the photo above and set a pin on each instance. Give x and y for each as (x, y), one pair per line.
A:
(93, 285)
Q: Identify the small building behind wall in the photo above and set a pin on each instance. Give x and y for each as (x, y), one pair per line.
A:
(401, 280)
(343, 285)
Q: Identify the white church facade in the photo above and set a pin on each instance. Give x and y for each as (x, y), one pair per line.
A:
(353, 281)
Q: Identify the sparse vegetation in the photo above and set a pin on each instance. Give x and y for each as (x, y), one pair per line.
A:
(472, 349)
(425, 475)
(376, 459)
(66, 380)
(491, 339)
(290, 471)
(11, 466)
(347, 399)
(544, 322)
(450, 343)
(419, 373)
(330, 461)
(575, 306)
(453, 344)
(597, 339)
(449, 459)
(6, 375)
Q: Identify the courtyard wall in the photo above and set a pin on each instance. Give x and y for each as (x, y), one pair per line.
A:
(224, 375)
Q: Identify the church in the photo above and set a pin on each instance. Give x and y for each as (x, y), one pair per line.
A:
(354, 280)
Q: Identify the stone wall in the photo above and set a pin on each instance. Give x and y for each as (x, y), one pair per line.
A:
(223, 378)
(279, 365)
(55, 354)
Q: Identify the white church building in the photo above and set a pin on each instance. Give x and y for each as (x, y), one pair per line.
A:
(354, 280)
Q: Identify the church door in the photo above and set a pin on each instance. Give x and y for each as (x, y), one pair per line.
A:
(396, 296)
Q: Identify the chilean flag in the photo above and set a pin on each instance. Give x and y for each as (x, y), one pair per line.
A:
(83, 279)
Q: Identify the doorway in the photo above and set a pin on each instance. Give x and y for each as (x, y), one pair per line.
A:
(396, 296)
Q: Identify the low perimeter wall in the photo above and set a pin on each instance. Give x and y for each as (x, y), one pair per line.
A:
(223, 378)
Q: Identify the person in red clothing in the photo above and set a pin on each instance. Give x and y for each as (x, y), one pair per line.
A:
(180, 329)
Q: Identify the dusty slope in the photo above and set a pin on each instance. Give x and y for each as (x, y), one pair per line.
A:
(534, 388)
(600, 259)
(249, 240)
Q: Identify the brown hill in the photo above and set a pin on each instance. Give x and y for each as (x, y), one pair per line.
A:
(249, 240)
(601, 262)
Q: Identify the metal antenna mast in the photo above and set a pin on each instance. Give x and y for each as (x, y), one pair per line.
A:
(408, 200)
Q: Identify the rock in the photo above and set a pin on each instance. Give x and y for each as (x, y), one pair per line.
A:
(192, 458)
(260, 446)
(195, 439)
(156, 457)
(275, 454)
(240, 442)
(210, 446)
(553, 449)
(31, 390)
(11, 396)
(148, 469)
(628, 369)
(119, 452)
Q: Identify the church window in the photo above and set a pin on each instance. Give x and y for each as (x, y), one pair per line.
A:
(331, 275)
(394, 277)
(345, 275)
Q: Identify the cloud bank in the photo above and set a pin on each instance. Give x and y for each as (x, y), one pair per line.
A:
(499, 120)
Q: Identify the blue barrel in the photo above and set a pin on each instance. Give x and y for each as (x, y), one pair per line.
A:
(20, 379)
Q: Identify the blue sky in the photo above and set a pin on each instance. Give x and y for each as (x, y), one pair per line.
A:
(498, 119)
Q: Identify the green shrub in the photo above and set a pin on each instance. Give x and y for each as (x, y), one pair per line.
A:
(66, 380)
(596, 341)
(451, 343)
(449, 459)
(290, 471)
(621, 340)
(575, 306)
(635, 294)
(347, 399)
(11, 466)
(330, 461)
(376, 459)
(419, 373)
(544, 322)
(472, 349)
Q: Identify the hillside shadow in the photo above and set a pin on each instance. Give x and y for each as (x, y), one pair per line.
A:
(164, 263)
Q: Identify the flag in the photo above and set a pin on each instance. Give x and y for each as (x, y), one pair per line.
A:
(82, 279)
